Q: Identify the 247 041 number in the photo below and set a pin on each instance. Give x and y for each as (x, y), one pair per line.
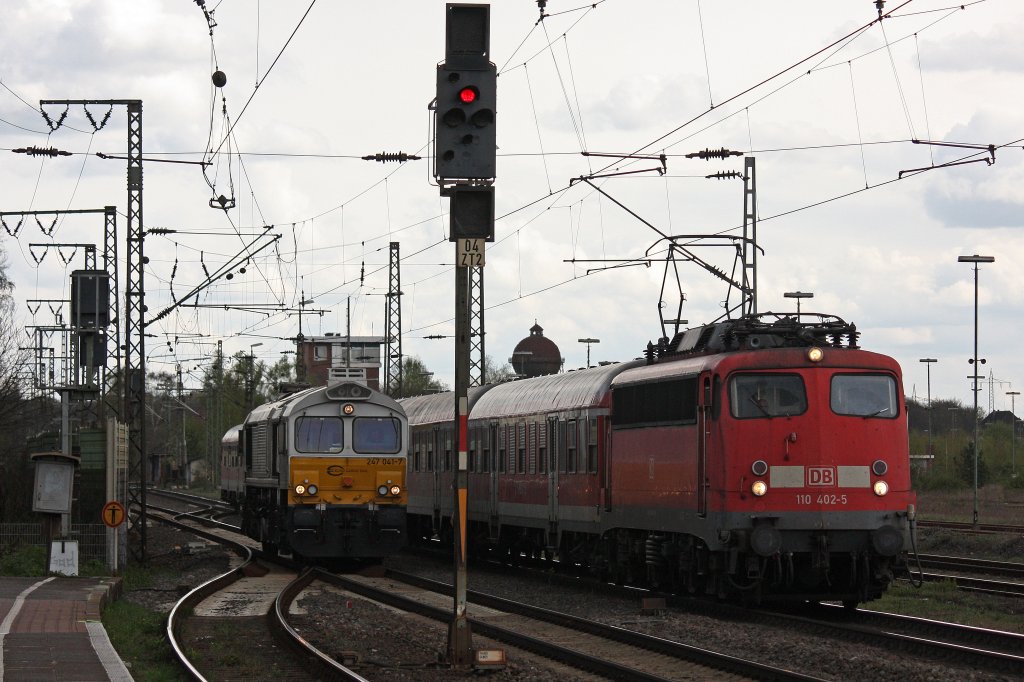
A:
(822, 498)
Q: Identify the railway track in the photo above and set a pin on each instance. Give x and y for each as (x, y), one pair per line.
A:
(609, 651)
(1008, 569)
(970, 527)
(234, 626)
(991, 651)
(970, 583)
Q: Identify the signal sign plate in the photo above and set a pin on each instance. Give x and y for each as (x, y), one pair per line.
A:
(469, 253)
(113, 514)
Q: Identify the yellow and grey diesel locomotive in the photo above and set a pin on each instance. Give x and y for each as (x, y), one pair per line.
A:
(325, 473)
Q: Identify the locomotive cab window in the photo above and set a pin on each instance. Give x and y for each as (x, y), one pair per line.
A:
(319, 434)
(376, 435)
(864, 395)
(763, 396)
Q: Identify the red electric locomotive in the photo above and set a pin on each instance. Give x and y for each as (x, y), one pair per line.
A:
(762, 457)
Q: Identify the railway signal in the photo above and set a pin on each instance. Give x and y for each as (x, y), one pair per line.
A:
(465, 140)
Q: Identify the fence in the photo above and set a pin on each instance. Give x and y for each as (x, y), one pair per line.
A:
(91, 537)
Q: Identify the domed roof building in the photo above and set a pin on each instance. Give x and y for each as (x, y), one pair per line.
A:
(536, 355)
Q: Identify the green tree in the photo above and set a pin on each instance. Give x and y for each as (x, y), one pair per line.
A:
(281, 372)
(965, 466)
(416, 379)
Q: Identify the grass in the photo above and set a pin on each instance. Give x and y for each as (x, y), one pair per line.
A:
(943, 601)
(138, 635)
(29, 561)
(26, 561)
(996, 504)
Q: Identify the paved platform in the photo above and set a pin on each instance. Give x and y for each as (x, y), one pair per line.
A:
(50, 630)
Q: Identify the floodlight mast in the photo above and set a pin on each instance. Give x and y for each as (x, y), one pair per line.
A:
(977, 260)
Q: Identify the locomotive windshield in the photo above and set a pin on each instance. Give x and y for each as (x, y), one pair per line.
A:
(376, 435)
(319, 434)
(760, 396)
(864, 395)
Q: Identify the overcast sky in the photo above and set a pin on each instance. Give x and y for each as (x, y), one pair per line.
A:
(308, 93)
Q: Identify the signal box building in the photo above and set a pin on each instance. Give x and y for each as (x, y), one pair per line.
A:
(334, 357)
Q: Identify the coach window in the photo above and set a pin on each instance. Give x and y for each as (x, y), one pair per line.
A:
(501, 449)
(761, 396)
(376, 435)
(512, 448)
(864, 395)
(448, 450)
(563, 460)
(319, 434)
(542, 447)
(570, 445)
(592, 447)
(521, 448)
(531, 455)
(485, 449)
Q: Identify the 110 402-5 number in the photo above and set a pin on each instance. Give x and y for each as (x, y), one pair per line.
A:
(820, 498)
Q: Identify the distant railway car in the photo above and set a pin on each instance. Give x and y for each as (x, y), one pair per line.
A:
(232, 473)
(325, 473)
(758, 458)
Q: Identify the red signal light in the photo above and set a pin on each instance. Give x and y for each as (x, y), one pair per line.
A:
(468, 95)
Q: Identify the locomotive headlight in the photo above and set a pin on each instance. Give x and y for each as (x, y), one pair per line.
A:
(759, 488)
(396, 490)
(815, 354)
(348, 408)
(312, 489)
(879, 467)
(300, 489)
(881, 488)
(382, 490)
(759, 468)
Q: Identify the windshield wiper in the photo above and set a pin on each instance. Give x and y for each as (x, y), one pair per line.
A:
(761, 407)
(875, 414)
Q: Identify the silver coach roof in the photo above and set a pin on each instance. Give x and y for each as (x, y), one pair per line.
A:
(579, 389)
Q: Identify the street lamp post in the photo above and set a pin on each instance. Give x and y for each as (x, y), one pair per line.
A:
(976, 259)
(589, 341)
(1013, 434)
(928, 365)
(798, 295)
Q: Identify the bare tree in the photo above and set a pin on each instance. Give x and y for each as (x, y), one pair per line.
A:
(16, 419)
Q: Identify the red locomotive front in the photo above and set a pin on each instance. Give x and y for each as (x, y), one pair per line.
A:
(778, 459)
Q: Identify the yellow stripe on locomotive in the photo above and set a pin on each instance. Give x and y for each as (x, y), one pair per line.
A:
(348, 481)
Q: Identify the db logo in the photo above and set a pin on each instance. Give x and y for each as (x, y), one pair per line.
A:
(821, 476)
